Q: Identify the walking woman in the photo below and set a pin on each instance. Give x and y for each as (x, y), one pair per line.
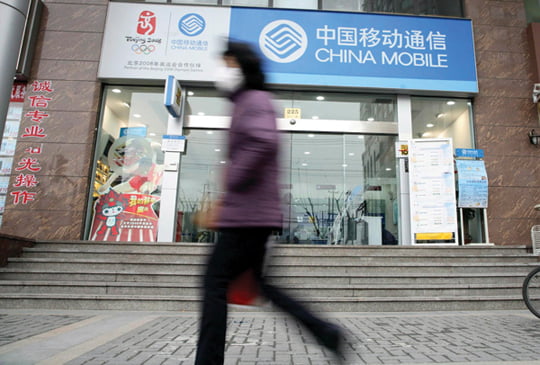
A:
(250, 208)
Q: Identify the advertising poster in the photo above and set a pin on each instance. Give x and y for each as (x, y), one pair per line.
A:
(432, 191)
(129, 192)
(472, 184)
(381, 51)
(125, 217)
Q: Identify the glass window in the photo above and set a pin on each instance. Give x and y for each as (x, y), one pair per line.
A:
(296, 4)
(443, 118)
(208, 2)
(340, 106)
(200, 179)
(343, 5)
(254, 3)
(419, 7)
(209, 102)
(129, 165)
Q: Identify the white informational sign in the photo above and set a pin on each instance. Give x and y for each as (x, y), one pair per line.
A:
(432, 191)
(149, 41)
(173, 143)
(472, 184)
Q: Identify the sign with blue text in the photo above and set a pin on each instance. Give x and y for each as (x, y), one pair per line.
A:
(299, 47)
(361, 50)
(472, 184)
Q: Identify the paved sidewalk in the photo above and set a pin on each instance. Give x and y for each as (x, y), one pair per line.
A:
(269, 338)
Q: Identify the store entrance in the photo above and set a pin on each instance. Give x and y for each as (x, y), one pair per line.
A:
(337, 188)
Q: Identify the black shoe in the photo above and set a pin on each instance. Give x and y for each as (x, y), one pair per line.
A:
(332, 338)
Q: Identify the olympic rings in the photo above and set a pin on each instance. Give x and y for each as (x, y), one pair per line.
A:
(143, 48)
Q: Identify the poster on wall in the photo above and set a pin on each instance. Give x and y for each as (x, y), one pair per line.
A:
(125, 217)
(128, 191)
(432, 191)
(472, 184)
(298, 47)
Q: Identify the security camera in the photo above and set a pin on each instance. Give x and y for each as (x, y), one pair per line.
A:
(536, 93)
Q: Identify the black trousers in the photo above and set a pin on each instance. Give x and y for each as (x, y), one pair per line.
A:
(237, 250)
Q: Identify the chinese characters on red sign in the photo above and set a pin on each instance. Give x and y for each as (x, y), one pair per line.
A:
(40, 96)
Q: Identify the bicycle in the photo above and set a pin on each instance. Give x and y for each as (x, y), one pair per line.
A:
(531, 291)
(531, 284)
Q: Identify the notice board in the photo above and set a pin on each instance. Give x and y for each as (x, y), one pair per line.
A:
(432, 191)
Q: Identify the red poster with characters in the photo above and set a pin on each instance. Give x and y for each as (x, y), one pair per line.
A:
(125, 217)
(126, 204)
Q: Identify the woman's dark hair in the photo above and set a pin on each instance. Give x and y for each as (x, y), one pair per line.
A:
(249, 62)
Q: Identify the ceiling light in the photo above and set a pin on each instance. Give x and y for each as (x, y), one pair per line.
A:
(311, 135)
(200, 113)
(320, 98)
(370, 119)
(209, 132)
(222, 162)
(440, 115)
(136, 115)
(388, 169)
(190, 93)
(116, 91)
(344, 165)
(430, 125)
(307, 153)
(217, 149)
(304, 164)
(351, 153)
(450, 102)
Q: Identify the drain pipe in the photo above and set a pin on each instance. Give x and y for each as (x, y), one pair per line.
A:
(13, 14)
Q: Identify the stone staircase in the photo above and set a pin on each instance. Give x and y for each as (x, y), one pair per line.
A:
(167, 276)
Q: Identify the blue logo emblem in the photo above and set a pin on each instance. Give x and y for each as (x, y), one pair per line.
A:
(283, 41)
(192, 24)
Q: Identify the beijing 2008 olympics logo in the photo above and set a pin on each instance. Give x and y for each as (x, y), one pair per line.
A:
(143, 48)
(283, 41)
(192, 24)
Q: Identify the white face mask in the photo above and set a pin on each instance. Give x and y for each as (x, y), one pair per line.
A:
(229, 79)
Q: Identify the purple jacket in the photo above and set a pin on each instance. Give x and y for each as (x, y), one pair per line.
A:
(252, 197)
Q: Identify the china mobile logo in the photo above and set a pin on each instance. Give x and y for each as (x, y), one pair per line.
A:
(146, 25)
(192, 24)
(283, 41)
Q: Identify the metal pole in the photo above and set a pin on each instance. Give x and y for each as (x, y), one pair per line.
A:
(13, 14)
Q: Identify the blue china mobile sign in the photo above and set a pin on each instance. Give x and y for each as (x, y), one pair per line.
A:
(301, 47)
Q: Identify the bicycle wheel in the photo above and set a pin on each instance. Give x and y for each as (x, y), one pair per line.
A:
(531, 291)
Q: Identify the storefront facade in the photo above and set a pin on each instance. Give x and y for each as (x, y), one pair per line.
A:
(112, 164)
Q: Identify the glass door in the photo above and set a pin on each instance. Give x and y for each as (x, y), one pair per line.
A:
(339, 189)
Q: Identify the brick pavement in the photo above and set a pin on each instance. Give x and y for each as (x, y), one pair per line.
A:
(164, 338)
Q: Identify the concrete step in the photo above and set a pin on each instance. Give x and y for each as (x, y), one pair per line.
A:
(168, 276)
(383, 277)
(191, 303)
(290, 249)
(304, 290)
(344, 269)
(282, 258)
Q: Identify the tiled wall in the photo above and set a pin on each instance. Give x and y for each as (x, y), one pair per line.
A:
(503, 115)
(68, 54)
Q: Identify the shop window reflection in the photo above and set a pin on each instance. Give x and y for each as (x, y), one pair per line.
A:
(443, 118)
(129, 165)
